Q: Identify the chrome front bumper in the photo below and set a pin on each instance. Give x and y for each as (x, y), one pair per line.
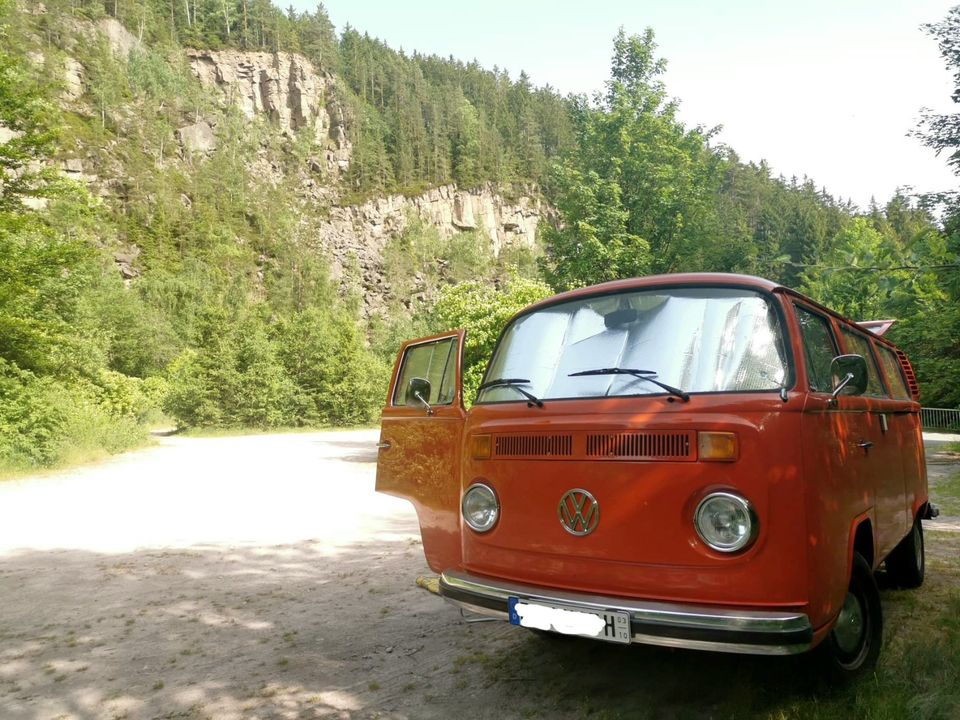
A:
(759, 632)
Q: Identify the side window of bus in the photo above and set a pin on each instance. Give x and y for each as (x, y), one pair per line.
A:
(432, 363)
(894, 373)
(819, 348)
(859, 345)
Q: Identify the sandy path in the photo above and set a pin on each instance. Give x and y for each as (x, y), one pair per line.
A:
(259, 489)
(261, 577)
(247, 577)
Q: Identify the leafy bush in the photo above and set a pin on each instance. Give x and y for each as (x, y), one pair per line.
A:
(337, 380)
(233, 379)
(45, 422)
(311, 369)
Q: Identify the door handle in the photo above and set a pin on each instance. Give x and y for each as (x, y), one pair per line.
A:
(865, 444)
(385, 445)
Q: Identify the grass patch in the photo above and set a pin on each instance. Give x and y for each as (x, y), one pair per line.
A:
(918, 675)
(945, 494)
(74, 455)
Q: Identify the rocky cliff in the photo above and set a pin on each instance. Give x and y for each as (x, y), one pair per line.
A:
(291, 94)
(361, 232)
(285, 87)
(294, 95)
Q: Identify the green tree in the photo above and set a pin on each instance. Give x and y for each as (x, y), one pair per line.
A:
(942, 131)
(337, 380)
(650, 183)
(931, 333)
(593, 244)
(483, 311)
(851, 277)
(466, 144)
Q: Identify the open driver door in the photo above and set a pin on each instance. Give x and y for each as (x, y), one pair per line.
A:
(421, 438)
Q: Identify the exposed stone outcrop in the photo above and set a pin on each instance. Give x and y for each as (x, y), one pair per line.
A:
(76, 31)
(73, 76)
(6, 134)
(283, 86)
(121, 40)
(359, 233)
(197, 138)
(73, 169)
(125, 260)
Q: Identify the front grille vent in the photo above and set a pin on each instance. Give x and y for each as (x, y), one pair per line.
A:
(641, 445)
(533, 445)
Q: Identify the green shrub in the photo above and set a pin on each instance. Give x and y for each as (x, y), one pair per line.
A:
(46, 422)
(191, 399)
(310, 369)
(338, 380)
(31, 418)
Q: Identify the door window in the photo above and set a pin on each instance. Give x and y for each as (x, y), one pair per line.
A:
(858, 344)
(819, 349)
(431, 367)
(891, 368)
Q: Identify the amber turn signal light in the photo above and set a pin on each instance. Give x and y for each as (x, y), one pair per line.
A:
(480, 447)
(717, 446)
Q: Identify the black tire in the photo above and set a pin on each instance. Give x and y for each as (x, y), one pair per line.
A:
(906, 565)
(854, 642)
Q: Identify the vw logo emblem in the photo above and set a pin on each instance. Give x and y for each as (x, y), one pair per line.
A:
(579, 512)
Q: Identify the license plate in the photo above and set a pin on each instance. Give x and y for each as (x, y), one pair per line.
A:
(609, 625)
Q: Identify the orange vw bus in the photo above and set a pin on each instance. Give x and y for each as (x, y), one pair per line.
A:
(703, 461)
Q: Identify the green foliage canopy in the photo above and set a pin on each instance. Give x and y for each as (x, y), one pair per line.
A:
(483, 311)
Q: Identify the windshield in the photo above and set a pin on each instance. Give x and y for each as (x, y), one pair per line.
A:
(696, 339)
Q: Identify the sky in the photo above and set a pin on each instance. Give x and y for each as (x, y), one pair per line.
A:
(823, 88)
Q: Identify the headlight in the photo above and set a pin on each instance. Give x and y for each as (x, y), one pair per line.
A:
(480, 507)
(725, 521)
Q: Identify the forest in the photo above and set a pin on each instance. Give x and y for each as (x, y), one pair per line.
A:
(233, 320)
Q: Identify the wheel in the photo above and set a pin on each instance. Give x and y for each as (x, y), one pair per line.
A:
(906, 564)
(854, 642)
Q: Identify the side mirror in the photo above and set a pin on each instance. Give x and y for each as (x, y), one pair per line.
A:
(418, 393)
(849, 374)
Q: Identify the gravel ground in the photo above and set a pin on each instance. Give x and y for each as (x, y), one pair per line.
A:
(241, 577)
(261, 577)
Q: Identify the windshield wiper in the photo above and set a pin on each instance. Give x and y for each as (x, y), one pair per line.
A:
(514, 384)
(648, 375)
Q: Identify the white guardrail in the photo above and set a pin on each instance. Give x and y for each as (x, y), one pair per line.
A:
(940, 418)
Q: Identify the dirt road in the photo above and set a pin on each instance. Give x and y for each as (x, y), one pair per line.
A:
(261, 577)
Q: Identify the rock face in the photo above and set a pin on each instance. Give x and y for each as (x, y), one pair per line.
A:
(283, 86)
(73, 76)
(197, 138)
(359, 233)
(120, 39)
(77, 31)
(6, 134)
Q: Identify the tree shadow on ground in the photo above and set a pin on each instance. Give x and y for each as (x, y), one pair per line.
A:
(318, 629)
